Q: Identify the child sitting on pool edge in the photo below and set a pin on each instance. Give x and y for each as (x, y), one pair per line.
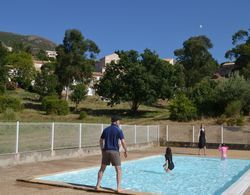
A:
(169, 165)
(223, 151)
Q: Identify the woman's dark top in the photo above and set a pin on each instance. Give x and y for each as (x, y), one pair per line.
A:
(170, 161)
(202, 139)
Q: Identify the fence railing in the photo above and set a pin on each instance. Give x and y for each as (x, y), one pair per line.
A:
(27, 137)
(21, 137)
(214, 134)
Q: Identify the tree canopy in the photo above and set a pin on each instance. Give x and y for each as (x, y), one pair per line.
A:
(196, 59)
(23, 70)
(75, 59)
(138, 78)
(241, 52)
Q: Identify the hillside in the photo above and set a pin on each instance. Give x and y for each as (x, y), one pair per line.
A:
(35, 42)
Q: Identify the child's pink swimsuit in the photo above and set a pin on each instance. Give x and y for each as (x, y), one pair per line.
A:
(223, 151)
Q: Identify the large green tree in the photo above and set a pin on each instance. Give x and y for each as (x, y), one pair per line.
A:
(138, 79)
(22, 68)
(75, 60)
(196, 59)
(46, 81)
(241, 52)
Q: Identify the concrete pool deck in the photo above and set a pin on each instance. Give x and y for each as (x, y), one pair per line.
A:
(9, 175)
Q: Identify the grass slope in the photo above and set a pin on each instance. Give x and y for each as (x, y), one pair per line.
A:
(97, 111)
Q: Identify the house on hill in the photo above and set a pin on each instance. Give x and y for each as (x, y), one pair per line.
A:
(102, 63)
(226, 69)
(170, 60)
(51, 54)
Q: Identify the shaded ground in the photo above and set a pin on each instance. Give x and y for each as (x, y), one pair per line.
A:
(8, 176)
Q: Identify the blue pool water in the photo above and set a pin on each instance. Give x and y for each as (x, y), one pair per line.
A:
(192, 175)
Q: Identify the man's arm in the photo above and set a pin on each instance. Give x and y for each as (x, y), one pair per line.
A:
(124, 145)
(101, 144)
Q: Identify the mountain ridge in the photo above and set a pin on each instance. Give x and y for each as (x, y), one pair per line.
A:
(35, 42)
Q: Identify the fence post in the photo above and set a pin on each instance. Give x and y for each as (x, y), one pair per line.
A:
(80, 136)
(102, 127)
(193, 133)
(167, 133)
(222, 136)
(147, 133)
(158, 133)
(135, 134)
(52, 139)
(17, 141)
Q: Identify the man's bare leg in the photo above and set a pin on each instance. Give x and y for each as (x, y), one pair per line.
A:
(118, 177)
(100, 174)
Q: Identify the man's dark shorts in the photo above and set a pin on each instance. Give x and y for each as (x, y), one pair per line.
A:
(111, 156)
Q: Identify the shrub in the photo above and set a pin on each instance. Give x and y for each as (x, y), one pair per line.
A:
(10, 102)
(2, 89)
(233, 108)
(82, 115)
(233, 89)
(221, 120)
(9, 115)
(204, 97)
(46, 99)
(182, 109)
(53, 105)
(231, 122)
(240, 121)
(78, 94)
(11, 85)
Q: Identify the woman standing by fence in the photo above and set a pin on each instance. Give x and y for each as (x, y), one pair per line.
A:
(202, 140)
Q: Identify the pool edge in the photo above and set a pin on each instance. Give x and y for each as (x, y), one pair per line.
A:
(86, 188)
(240, 186)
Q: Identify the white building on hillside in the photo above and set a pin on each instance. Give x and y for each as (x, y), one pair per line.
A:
(170, 60)
(51, 54)
(96, 76)
(101, 65)
(38, 64)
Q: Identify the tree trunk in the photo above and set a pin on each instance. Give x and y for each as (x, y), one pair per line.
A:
(67, 93)
(76, 107)
(135, 106)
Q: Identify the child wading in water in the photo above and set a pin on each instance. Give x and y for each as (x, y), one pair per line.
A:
(169, 165)
(223, 151)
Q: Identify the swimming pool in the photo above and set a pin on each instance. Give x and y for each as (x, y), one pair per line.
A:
(192, 175)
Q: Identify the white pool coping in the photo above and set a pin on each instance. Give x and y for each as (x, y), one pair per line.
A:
(240, 186)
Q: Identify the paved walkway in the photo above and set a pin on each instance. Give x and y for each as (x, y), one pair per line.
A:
(8, 175)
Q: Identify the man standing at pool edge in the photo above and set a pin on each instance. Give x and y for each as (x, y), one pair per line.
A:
(110, 150)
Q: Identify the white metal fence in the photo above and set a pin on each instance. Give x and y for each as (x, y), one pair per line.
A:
(214, 134)
(26, 137)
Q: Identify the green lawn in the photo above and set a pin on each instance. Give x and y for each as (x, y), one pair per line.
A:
(96, 109)
(97, 112)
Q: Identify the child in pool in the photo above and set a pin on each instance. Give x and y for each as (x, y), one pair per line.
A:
(169, 165)
(223, 151)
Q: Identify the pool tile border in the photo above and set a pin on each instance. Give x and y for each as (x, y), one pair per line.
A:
(240, 186)
(79, 187)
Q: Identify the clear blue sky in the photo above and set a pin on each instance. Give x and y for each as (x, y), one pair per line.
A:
(161, 25)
